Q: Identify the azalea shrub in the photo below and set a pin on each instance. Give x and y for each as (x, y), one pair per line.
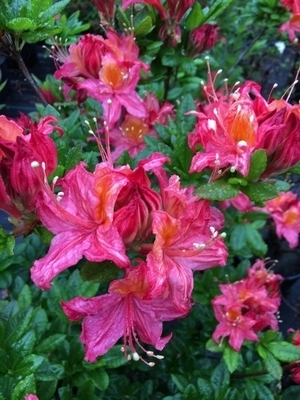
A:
(138, 193)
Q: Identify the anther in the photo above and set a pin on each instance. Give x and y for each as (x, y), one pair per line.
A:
(135, 356)
(35, 164)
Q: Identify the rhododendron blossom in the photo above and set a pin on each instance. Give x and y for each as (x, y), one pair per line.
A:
(106, 69)
(248, 306)
(285, 212)
(231, 128)
(82, 220)
(129, 135)
(19, 181)
(122, 313)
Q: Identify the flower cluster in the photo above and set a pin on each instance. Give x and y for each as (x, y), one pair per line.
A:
(26, 156)
(108, 70)
(285, 212)
(103, 215)
(248, 306)
(293, 24)
(231, 128)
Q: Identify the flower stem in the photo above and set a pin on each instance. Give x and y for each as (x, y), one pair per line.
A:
(14, 52)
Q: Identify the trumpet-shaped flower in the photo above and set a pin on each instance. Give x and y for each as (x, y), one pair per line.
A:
(82, 220)
(122, 313)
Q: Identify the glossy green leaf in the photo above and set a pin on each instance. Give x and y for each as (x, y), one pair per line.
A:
(204, 388)
(21, 24)
(216, 9)
(114, 358)
(24, 387)
(293, 392)
(217, 190)
(258, 164)
(104, 271)
(255, 241)
(100, 378)
(180, 382)
(220, 380)
(259, 192)
(25, 297)
(50, 343)
(231, 358)
(237, 237)
(195, 17)
(28, 365)
(284, 351)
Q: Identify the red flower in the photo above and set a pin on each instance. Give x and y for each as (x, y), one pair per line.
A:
(82, 220)
(121, 313)
(202, 39)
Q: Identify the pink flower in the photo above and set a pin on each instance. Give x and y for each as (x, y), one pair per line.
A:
(19, 180)
(291, 26)
(121, 313)
(288, 224)
(183, 243)
(81, 217)
(31, 397)
(116, 88)
(234, 324)
(227, 133)
(285, 212)
(247, 306)
(129, 135)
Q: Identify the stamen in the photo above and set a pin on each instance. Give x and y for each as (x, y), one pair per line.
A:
(35, 164)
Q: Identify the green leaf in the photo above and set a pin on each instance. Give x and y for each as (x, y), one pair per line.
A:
(24, 346)
(237, 238)
(7, 243)
(65, 393)
(188, 66)
(273, 366)
(50, 343)
(212, 346)
(142, 23)
(25, 297)
(195, 17)
(28, 365)
(217, 190)
(51, 12)
(180, 382)
(250, 390)
(295, 169)
(45, 235)
(49, 372)
(258, 164)
(255, 241)
(73, 157)
(237, 181)
(291, 393)
(46, 389)
(231, 358)
(204, 388)
(190, 393)
(18, 325)
(263, 393)
(260, 192)
(186, 104)
(216, 9)
(114, 358)
(86, 390)
(21, 24)
(100, 378)
(284, 351)
(104, 271)
(220, 380)
(282, 186)
(24, 387)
